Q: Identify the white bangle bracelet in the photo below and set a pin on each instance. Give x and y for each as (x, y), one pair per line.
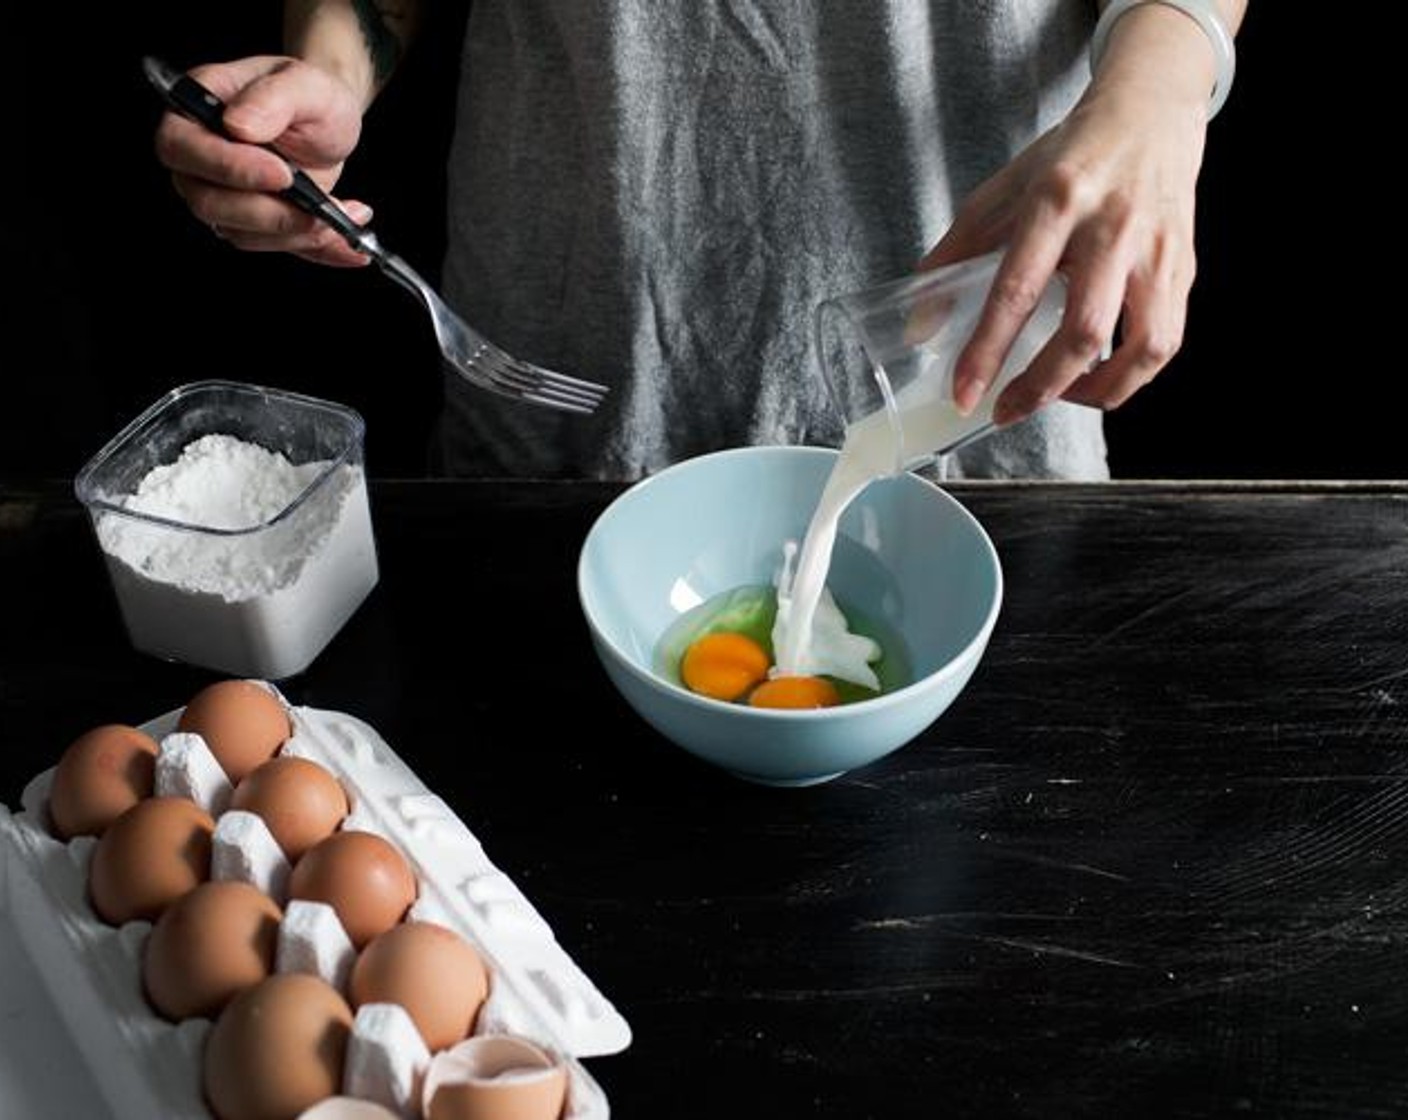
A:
(1202, 12)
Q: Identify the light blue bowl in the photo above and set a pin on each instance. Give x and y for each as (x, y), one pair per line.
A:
(907, 556)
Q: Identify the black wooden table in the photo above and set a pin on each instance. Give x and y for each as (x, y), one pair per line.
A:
(1154, 861)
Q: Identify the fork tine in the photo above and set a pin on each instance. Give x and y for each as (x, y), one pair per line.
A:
(503, 388)
(534, 398)
(561, 380)
(586, 394)
(519, 394)
(530, 382)
(544, 394)
(494, 375)
(560, 405)
(543, 375)
(528, 378)
(547, 378)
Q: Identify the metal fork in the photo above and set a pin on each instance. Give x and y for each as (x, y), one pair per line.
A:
(464, 349)
(473, 356)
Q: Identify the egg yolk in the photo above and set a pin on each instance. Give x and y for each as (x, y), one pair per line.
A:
(723, 666)
(795, 692)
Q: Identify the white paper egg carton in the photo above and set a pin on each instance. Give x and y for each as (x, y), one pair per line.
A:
(149, 1067)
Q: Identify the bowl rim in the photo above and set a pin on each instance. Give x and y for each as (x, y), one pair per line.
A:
(887, 699)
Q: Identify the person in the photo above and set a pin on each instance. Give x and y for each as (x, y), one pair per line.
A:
(656, 194)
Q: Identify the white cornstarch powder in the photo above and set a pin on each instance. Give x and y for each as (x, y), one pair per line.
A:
(221, 482)
(260, 598)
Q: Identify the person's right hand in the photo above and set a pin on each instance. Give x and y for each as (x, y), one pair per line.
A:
(309, 115)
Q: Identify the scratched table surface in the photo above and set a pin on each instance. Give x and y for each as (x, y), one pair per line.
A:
(1154, 860)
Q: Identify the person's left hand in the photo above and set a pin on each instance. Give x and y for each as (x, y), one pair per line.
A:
(1106, 198)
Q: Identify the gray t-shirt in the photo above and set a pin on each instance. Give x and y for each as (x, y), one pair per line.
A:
(656, 194)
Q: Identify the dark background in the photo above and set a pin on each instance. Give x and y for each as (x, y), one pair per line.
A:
(116, 294)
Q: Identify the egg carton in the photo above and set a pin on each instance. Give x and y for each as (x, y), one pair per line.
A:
(147, 1066)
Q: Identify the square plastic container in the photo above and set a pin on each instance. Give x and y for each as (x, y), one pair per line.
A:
(260, 599)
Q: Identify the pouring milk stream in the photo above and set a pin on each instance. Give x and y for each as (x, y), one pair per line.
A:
(889, 355)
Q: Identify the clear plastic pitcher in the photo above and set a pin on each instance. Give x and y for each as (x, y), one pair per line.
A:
(888, 353)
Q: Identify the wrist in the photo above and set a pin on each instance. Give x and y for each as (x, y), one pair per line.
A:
(1180, 49)
(328, 36)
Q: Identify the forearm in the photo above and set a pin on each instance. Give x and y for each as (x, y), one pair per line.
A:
(1156, 46)
(359, 41)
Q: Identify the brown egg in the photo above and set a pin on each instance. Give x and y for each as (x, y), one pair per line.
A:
(299, 800)
(431, 971)
(241, 722)
(103, 773)
(151, 855)
(277, 1049)
(208, 946)
(363, 877)
(494, 1077)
